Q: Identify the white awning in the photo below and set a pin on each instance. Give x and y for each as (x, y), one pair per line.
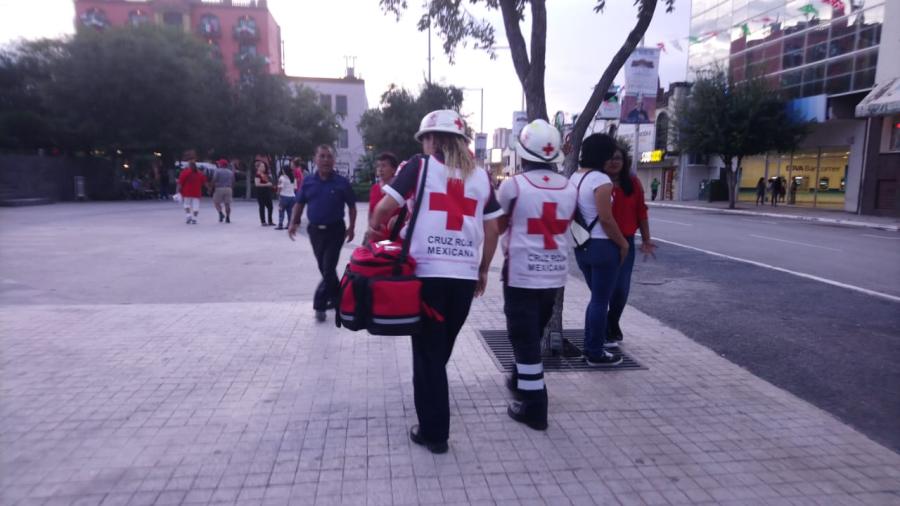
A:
(882, 101)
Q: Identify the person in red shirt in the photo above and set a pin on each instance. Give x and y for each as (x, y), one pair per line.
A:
(190, 186)
(630, 213)
(386, 165)
(298, 165)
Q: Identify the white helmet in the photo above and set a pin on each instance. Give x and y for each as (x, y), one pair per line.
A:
(442, 120)
(539, 142)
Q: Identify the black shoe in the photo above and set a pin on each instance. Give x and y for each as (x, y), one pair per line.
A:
(320, 316)
(221, 217)
(270, 224)
(604, 359)
(330, 305)
(228, 219)
(531, 410)
(613, 335)
(279, 227)
(263, 224)
(437, 448)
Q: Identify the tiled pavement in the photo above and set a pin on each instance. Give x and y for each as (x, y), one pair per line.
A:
(255, 403)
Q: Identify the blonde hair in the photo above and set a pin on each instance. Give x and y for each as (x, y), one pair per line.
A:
(456, 152)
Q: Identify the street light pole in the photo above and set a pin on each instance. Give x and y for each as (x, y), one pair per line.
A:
(481, 128)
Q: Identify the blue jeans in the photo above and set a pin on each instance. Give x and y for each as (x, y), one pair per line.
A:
(285, 205)
(599, 263)
(620, 290)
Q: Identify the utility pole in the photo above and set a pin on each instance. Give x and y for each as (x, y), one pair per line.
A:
(429, 45)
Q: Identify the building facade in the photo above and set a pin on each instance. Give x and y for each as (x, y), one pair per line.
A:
(346, 97)
(823, 55)
(240, 32)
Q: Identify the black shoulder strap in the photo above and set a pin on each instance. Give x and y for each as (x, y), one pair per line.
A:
(577, 192)
(415, 214)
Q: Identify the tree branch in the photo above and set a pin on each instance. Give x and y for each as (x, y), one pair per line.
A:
(511, 19)
(645, 15)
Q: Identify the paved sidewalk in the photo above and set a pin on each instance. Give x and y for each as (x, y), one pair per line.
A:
(252, 402)
(831, 216)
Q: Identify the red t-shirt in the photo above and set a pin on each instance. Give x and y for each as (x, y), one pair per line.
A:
(629, 210)
(375, 195)
(191, 183)
(298, 178)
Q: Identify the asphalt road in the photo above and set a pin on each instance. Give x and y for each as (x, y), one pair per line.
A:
(834, 347)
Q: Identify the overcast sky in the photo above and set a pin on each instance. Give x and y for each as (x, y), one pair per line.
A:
(318, 34)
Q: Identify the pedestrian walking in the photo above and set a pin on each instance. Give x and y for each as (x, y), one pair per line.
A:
(325, 194)
(761, 191)
(776, 191)
(263, 182)
(223, 190)
(286, 196)
(654, 188)
(190, 187)
(606, 250)
(783, 191)
(630, 213)
(793, 192)
(299, 168)
(538, 205)
(453, 244)
(164, 183)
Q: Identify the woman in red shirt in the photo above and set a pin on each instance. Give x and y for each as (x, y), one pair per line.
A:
(630, 213)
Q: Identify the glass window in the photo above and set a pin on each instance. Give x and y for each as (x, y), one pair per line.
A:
(864, 79)
(813, 88)
(841, 45)
(869, 60)
(173, 19)
(839, 84)
(340, 104)
(247, 49)
(791, 78)
(816, 52)
(832, 177)
(325, 101)
(343, 139)
(895, 133)
(138, 18)
(839, 67)
(802, 177)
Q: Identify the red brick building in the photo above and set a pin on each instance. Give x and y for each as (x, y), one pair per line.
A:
(239, 30)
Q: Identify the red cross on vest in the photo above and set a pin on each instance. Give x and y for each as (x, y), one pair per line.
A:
(547, 225)
(548, 149)
(454, 203)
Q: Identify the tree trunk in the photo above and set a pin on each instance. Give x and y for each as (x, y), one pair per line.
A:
(552, 341)
(731, 180)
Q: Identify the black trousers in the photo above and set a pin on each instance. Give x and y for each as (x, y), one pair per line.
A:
(264, 201)
(431, 349)
(327, 241)
(528, 310)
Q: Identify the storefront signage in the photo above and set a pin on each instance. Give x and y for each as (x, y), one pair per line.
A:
(652, 156)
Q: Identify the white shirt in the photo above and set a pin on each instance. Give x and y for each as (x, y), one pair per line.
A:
(285, 186)
(587, 203)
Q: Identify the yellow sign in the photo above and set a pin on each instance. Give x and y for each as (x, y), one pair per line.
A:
(652, 156)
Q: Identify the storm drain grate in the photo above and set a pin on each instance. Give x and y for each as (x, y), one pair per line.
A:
(497, 342)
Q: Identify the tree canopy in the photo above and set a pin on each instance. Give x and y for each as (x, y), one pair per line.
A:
(734, 120)
(392, 125)
(145, 89)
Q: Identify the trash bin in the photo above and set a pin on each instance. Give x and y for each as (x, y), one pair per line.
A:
(80, 190)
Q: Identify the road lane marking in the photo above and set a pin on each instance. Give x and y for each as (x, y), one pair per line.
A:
(673, 222)
(882, 237)
(760, 221)
(794, 242)
(892, 298)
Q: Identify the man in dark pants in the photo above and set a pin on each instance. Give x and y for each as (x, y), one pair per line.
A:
(326, 194)
(538, 205)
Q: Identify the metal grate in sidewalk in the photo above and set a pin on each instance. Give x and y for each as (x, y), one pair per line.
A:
(497, 342)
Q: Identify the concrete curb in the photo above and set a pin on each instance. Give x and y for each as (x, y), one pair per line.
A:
(833, 221)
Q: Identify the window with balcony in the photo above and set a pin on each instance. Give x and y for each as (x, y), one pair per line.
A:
(246, 29)
(340, 104)
(209, 26)
(138, 18)
(94, 18)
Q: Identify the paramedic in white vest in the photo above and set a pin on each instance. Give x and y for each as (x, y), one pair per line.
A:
(453, 243)
(538, 205)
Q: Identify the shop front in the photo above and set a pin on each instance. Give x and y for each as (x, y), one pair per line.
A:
(812, 177)
(654, 165)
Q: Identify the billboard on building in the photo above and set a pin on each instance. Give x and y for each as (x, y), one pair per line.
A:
(520, 119)
(646, 137)
(641, 82)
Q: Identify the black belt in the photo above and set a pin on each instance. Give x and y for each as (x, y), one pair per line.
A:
(327, 226)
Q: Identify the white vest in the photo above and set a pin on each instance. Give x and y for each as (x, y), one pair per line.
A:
(449, 233)
(537, 241)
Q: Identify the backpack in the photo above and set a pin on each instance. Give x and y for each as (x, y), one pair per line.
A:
(580, 229)
(379, 291)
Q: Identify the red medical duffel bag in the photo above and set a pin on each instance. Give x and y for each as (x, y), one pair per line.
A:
(379, 291)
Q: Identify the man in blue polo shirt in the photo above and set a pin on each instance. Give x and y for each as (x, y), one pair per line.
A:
(324, 194)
